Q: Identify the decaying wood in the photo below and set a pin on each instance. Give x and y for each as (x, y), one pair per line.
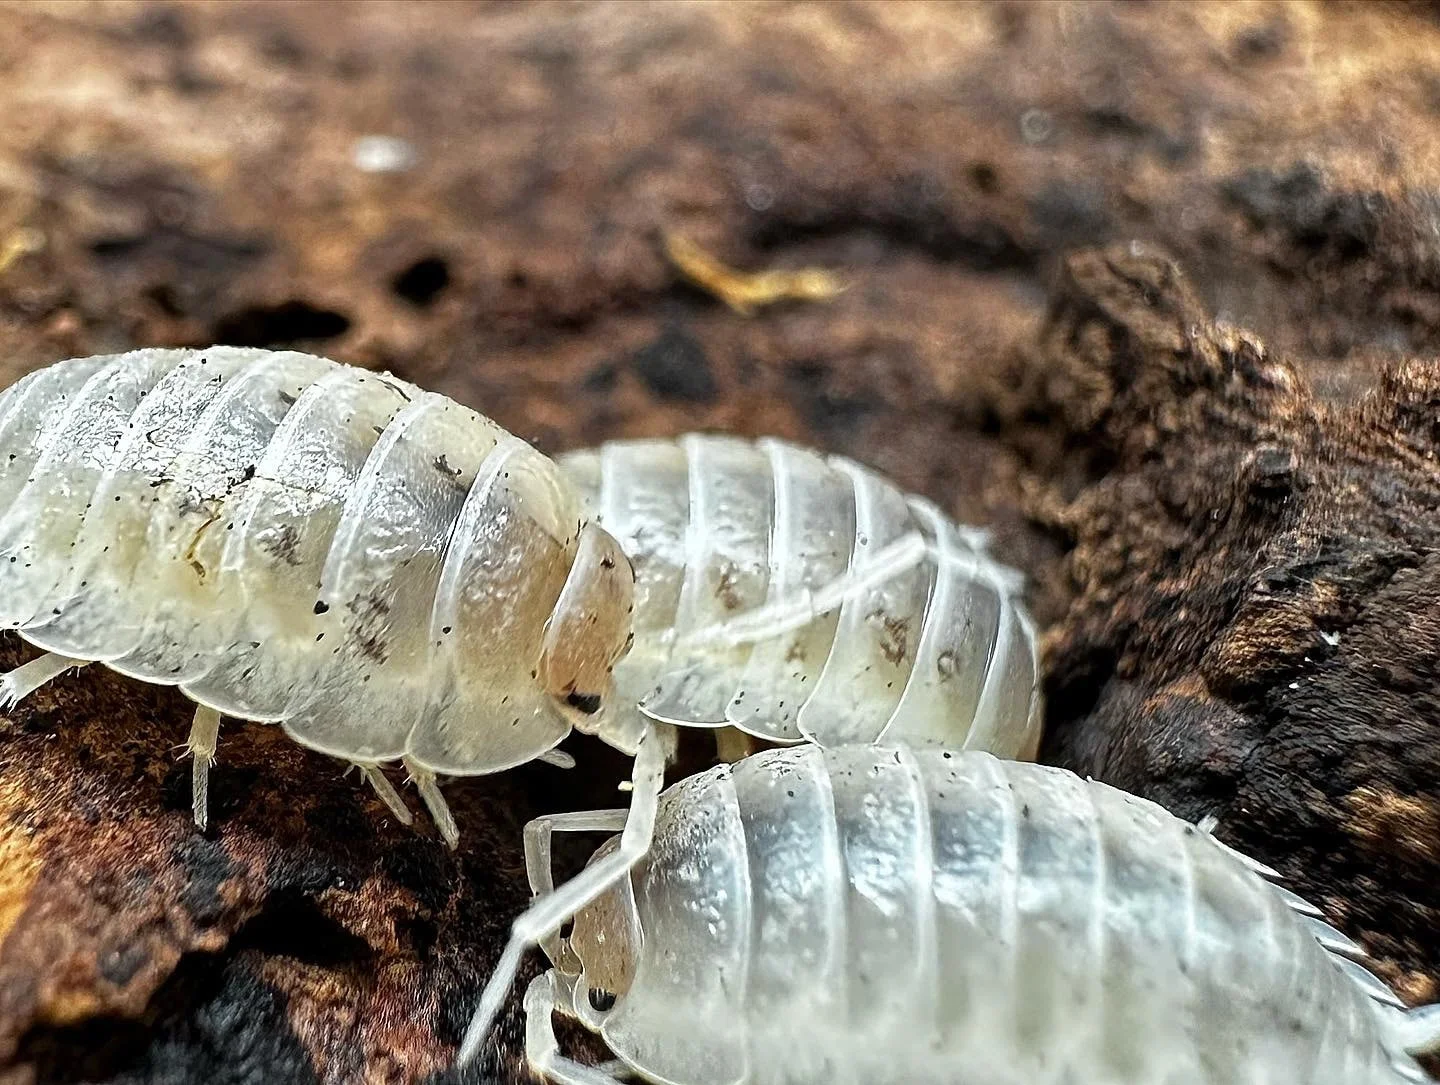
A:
(1228, 525)
(1254, 630)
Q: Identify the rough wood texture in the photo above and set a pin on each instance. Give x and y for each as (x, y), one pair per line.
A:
(1252, 631)
(1231, 541)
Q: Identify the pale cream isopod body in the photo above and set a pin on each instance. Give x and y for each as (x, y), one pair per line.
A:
(726, 533)
(872, 915)
(383, 572)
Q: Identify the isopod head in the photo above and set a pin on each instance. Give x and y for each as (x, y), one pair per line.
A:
(603, 949)
(588, 632)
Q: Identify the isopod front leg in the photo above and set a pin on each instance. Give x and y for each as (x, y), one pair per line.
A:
(204, 737)
(386, 791)
(542, 1050)
(25, 679)
(424, 781)
(546, 914)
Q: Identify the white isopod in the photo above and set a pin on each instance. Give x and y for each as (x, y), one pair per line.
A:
(873, 915)
(382, 571)
(931, 644)
(390, 575)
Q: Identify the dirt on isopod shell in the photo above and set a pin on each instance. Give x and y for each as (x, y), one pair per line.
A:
(1150, 290)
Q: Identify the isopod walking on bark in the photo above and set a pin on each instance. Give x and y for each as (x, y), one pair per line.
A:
(385, 573)
(798, 598)
(866, 915)
(391, 576)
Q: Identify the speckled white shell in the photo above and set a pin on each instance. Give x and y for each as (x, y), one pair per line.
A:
(290, 539)
(716, 526)
(890, 916)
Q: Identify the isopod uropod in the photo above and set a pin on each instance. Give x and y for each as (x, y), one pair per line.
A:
(867, 914)
(382, 571)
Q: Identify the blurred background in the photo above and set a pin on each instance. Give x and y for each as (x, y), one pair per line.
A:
(475, 195)
(485, 198)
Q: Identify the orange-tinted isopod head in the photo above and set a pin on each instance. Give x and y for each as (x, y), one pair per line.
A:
(589, 631)
(603, 948)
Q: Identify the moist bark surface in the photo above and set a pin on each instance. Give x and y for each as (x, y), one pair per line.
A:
(1149, 291)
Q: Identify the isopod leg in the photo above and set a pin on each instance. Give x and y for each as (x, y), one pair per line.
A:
(546, 914)
(204, 737)
(542, 1050)
(537, 851)
(383, 788)
(25, 679)
(424, 781)
(559, 758)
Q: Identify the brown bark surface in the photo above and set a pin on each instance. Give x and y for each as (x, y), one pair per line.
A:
(1150, 290)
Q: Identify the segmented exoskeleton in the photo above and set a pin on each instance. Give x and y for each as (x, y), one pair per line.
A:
(866, 915)
(795, 597)
(389, 575)
(382, 571)
(931, 645)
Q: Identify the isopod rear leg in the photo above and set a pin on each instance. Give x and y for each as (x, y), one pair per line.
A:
(542, 1050)
(547, 913)
(204, 737)
(424, 781)
(25, 679)
(386, 791)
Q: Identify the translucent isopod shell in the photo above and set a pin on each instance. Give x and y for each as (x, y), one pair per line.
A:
(881, 915)
(293, 540)
(937, 651)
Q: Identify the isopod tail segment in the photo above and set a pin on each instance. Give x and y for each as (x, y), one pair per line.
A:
(1415, 1031)
(542, 921)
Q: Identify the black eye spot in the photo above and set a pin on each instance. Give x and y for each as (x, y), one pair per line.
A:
(588, 703)
(422, 282)
(600, 1001)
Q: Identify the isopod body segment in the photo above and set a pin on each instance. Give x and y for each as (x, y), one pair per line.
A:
(873, 914)
(383, 572)
(724, 533)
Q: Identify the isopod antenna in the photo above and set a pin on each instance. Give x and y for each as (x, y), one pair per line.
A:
(548, 912)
